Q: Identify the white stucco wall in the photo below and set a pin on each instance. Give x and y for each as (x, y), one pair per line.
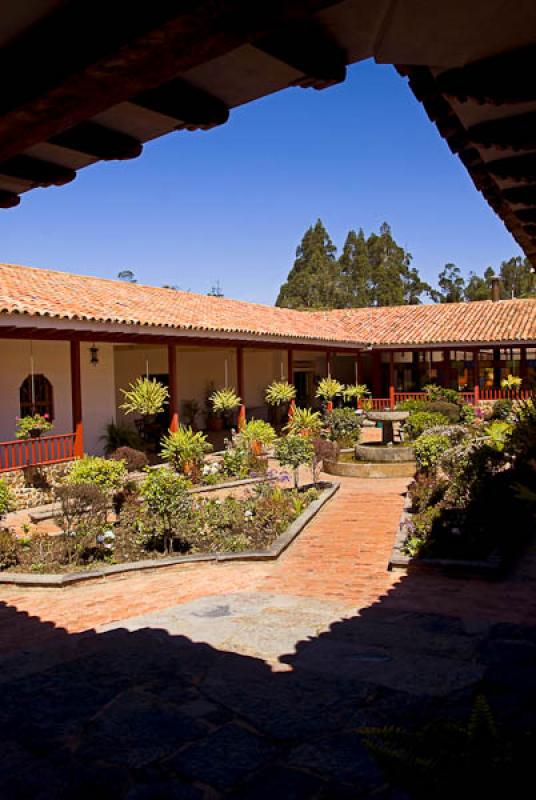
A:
(52, 359)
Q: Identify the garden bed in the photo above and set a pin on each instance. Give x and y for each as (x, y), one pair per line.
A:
(272, 552)
(490, 567)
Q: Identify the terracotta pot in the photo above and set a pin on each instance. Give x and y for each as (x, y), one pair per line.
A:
(256, 448)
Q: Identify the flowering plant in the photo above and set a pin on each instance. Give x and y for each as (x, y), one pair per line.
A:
(35, 422)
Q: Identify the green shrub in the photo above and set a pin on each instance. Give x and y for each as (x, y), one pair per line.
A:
(7, 500)
(224, 400)
(428, 449)
(82, 518)
(439, 393)
(344, 426)
(328, 388)
(420, 421)
(117, 436)
(294, 451)
(426, 490)
(413, 405)
(104, 473)
(467, 414)
(451, 411)
(236, 463)
(165, 497)
(185, 450)
(135, 460)
(502, 409)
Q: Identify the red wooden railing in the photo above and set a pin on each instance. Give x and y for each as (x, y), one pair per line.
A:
(37, 452)
(506, 394)
(379, 403)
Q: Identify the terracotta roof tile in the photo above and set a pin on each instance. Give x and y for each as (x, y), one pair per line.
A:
(46, 293)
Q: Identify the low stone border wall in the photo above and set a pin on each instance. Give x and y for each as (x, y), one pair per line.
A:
(278, 547)
(361, 469)
(489, 567)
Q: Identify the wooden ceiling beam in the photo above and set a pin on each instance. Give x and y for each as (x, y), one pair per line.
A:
(519, 168)
(309, 48)
(503, 79)
(526, 214)
(38, 172)
(98, 141)
(194, 108)
(507, 133)
(524, 195)
(8, 199)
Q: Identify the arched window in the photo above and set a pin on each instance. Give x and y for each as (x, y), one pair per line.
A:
(39, 400)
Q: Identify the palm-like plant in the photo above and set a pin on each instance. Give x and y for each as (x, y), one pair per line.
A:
(224, 400)
(328, 388)
(304, 422)
(355, 391)
(185, 449)
(512, 382)
(279, 393)
(255, 435)
(145, 396)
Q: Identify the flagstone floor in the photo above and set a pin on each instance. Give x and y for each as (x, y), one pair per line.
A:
(252, 680)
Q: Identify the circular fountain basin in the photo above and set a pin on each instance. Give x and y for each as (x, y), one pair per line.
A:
(377, 453)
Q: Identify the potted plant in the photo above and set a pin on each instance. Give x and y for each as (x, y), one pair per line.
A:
(32, 426)
(184, 450)
(281, 395)
(146, 397)
(256, 436)
(355, 392)
(224, 402)
(327, 389)
(304, 422)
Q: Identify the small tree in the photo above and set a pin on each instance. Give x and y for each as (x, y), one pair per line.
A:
(166, 498)
(294, 451)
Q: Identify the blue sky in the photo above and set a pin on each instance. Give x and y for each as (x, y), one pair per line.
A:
(232, 204)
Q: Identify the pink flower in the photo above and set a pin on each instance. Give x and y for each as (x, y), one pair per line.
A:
(45, 416)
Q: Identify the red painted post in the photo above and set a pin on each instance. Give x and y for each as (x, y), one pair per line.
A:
(391, 380)
(173, 389)
(476, 371)
(76, 399)
(328, 363)
(290, 367)
(240, 386)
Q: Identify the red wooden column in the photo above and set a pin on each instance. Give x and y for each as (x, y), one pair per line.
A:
(523, 366)
(328, 363)
(476, 372)
(447, 372)
(76, 399)
(391, 380)
(173, 389)
(240, 385)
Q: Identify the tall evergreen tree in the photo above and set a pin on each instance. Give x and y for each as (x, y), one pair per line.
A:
(312, 281)
(477, 287)
(356, 286)
(388, 262)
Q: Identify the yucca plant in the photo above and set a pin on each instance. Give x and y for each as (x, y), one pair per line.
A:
(304, 422)
(145, 396)
(279, 393)
(355, 392)
(328, 388)
(255, 436)
(184, 449)
(511, 382)
(224, 400)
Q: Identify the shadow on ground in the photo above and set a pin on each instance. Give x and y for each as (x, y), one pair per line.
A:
(144, 715)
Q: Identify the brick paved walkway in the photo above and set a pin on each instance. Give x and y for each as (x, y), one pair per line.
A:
(252, 680)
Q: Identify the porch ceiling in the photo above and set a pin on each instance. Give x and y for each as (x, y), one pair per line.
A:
(95, 80)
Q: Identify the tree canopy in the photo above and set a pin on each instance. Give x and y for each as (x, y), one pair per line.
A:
(377, 271)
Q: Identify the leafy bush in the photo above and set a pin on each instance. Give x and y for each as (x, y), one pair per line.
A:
(165, 497)
(354, 392)
(449, 410)
(304, 422)
(280, 392)
(522, 442)
(224, 400)
(117, 436)
(184, 450)
(7, 500)
(134, 460)
(107, 475)
(9, 550)
(426, 490)
(294, 451)
(328, 388)
(420, 421)
(428, 449)
(82, 518)
(34, 422)
(467, 414)
(344, 426)
(413, 405)
(435, 392)
(255, 436)
(236, 463)
(145, 396)
(502, 409)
